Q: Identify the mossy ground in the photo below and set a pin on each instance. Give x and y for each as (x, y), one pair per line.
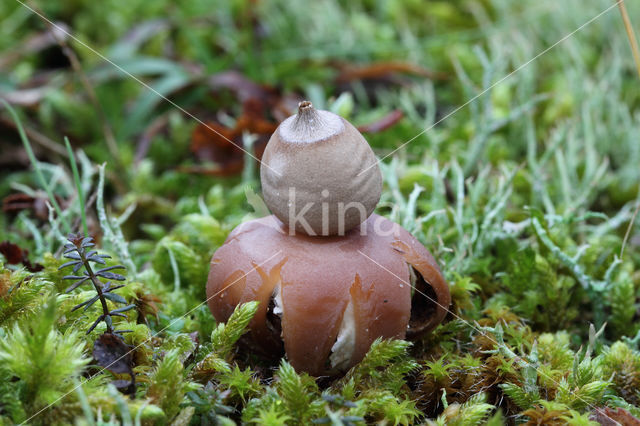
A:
(524, 196)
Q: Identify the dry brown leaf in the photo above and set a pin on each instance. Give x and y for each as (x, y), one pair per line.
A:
(111, 353)
(380, 70)
(383, 123)
(607, 416)
(16, 255)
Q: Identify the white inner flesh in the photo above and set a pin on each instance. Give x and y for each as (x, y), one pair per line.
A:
(277, 300)
(413, 278)
(342, 350)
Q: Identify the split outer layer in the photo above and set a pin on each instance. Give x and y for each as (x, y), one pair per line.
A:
(318, 277)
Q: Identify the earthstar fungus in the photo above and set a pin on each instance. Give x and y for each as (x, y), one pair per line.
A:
(324, 299)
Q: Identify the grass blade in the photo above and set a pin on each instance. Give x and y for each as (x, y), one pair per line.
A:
(76, 178)
(36, 166)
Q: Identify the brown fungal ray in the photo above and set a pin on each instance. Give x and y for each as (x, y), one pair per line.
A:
(435, 295)
(318, 277)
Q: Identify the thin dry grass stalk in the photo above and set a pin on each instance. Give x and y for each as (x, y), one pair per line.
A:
(636, 57)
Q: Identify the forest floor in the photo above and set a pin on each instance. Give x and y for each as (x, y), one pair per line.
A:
(508, 134)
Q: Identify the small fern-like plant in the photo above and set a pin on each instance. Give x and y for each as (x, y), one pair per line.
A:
(81, 257)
